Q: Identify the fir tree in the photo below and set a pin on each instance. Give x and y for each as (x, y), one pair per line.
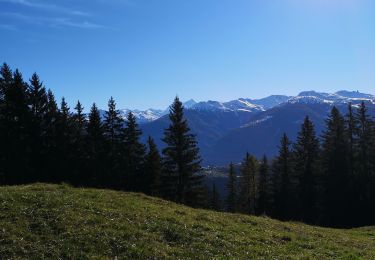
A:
(95, 148)
(306, 167)
(14, 135)
(231, 200)
(264, 188)
(365, 164)
(335, 169)
(113, 125)
(38, 106)
(153, 169)
(65, 142)
(282, 171)
(181, 181)
(134, 155)
(247, 185)
(79, 151)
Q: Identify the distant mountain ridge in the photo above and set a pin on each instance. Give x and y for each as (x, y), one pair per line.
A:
(227, 130)
(256, 105)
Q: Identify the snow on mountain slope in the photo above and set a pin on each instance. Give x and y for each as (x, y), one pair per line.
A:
(255, 105)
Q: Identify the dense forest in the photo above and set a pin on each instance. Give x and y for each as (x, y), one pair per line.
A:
(327, 180)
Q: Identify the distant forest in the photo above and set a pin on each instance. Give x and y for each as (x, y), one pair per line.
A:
(327, 181)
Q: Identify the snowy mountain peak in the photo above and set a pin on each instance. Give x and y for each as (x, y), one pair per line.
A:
(189, 104)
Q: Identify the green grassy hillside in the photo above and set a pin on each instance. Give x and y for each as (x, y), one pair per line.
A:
(52, 221)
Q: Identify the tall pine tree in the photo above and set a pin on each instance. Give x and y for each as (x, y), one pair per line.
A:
(134, 155)
(335, 170)
(264, 199)
(282, 172)
(182, 163)
(306, 167)
(113, 125)
(247, 185)
(153, 169)
(95, 142)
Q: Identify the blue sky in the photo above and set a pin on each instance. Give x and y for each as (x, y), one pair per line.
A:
(144, 52)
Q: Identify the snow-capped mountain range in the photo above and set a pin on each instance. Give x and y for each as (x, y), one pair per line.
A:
(257, 105)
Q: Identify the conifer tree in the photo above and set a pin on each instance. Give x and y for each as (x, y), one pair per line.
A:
(134, 155)
(282, 171)
(50, 146)
(14, 136)
(264, 188)
(231, 200)
(351, 135)
(153, 169)
(38, 106)
(247, 185)
(365, 164)
(113, 125)
(306, 167)
(95, 148)
(6, 79)
(335, 170)
(65, 142)
(79, 151)
(182, 181)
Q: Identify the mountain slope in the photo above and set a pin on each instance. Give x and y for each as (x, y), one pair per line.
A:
(49, 221)
(261, 135)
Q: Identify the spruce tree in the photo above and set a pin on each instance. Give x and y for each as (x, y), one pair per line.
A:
(65, 142)
(247, 185)
(79, 148)
(182, 181)
(38, 106)
(282, 171)
(231, 200)
(95, 142)
(335, 170)
(50, 146)
(14, 136)
(306, 167)
(365, 164)
(6, 79)
(264, 188)
(153, 169)
(134, 155)
(113, 125)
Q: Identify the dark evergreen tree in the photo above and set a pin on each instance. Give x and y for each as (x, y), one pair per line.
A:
(306, 168)
(247, 185)
(365, 164)
(153, 169)
(50, 150)
(335, 170)
(134, 155)
(282, 171)
(14, 135)
(351, 135)
(231, 200)
(38, 106)
(113, 125)
(64, 140)
(264, 200)
(182, 181)
(79, 149)
(353, 180)
(95, 142)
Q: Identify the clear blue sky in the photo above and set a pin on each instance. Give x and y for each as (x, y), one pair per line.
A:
(144, 52)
